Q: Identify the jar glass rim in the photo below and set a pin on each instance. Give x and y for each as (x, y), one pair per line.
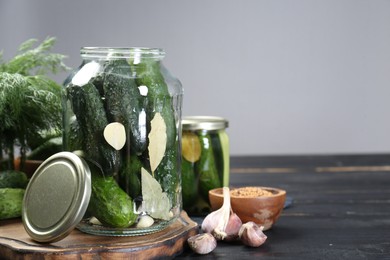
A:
(122, 52)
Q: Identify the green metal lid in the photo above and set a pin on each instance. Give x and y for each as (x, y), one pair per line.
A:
(56, 197)
(204, 123)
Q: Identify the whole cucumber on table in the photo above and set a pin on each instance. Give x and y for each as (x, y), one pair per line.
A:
(91, 118)
(124, 102)
(109, 203)
(11, 200)
(13, 179)
(206, 167)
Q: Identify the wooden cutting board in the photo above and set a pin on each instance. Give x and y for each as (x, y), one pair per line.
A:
(16, 244)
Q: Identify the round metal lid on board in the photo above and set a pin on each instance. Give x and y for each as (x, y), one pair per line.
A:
(204, 123)
(56, 197)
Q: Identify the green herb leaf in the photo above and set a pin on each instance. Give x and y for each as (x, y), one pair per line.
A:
(35, 61)
(30, 102)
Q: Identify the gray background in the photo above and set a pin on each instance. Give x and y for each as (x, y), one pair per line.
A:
(292, 77)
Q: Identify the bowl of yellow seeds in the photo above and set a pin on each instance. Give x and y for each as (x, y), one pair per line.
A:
(262, 205)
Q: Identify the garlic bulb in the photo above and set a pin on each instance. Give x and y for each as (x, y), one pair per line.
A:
(216, 221)
(252, 235)
(202, 243)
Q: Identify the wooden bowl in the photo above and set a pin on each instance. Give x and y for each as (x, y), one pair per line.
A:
(263, 209)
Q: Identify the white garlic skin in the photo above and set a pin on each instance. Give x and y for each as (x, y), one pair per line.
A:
(252, 235)
(202, 243)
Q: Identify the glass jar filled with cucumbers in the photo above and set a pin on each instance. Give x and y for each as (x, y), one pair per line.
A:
(205, 160)
(122, 114)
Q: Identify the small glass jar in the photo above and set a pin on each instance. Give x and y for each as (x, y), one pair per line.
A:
(122, 114)
(205, 160)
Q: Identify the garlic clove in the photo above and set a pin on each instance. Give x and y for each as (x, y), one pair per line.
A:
(95, 221)
(202, 243)
(233, 227)
(115, 135)
(145, 221)
(252, 235)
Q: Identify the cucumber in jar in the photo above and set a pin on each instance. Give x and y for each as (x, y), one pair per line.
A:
(206, 167)
(109, 203)
(220, 144)
(130, 176)
(124, 102)
(148, 74)
(189, 184)
(91, 119)
(158, 100)
(166, 174)
(191, 151)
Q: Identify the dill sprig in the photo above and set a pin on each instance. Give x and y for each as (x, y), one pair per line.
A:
(35, 61)
(30, 102)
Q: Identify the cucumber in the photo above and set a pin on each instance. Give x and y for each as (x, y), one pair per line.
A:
(74, 140)
(200, 207)
(109, 203)
(123, 99)
(91, 117)
(218, 155)
(206, 168)
(224, 139)
(166, 174)
(159, 100)
(130, 176)
(13, 179)
(45, 150)
(189, 184)
(11, 200)
(220, 143)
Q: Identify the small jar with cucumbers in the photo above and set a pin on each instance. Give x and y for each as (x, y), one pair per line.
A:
(205, 160)
(122, 118)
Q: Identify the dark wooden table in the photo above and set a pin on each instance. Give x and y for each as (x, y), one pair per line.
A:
(340, 207)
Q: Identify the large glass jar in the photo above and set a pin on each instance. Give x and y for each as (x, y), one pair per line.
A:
(122, 111)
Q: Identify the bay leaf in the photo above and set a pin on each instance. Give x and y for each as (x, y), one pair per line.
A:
(155, 202)
(157, 141)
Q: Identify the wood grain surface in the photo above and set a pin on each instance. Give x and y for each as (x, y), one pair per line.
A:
(16, 244)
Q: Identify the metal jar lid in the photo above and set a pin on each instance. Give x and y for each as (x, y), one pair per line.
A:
(204, 123)
(56, 197)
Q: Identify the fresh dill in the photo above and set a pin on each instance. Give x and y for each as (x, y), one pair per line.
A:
(30, 102)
